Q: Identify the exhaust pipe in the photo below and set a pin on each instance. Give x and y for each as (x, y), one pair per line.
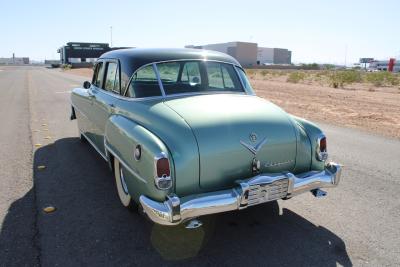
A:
(319, 193)
(193, 224)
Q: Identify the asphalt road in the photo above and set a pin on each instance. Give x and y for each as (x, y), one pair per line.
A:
(356, 224)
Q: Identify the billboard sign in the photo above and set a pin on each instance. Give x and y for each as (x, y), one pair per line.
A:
(366, 60)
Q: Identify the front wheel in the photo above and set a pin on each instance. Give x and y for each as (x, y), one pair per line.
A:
(122, 189)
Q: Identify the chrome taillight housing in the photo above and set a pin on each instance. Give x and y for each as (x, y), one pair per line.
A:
(162, 178)
(321, 149)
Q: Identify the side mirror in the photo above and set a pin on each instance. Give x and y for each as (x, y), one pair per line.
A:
(86, 85)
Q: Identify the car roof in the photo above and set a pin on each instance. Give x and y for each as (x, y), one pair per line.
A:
(142, 56)
(132, 59)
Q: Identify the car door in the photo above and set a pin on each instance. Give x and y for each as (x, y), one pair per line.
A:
(104, 99)
(87, 125)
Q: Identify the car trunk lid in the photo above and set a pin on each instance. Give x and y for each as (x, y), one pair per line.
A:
(231, 130)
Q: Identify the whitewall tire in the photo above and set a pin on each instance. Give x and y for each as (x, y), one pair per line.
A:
(122, 189)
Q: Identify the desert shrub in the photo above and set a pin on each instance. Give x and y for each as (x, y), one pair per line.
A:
(296, 76)
(340, 78)
(382, 78)
(264, 73)
(250, 72)
(393, 79)
(67, 66)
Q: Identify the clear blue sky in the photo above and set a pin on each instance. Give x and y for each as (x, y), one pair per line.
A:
(316, 31)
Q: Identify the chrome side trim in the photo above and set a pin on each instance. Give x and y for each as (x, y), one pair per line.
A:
(259, 189)
(110, 150)
(94, 146)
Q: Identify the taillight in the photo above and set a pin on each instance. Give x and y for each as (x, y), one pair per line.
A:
(163, 167)
(322, 144)
(322, 152)
(163, 179)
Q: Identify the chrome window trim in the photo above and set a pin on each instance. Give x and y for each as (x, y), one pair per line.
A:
(160, 84)
(163, 95)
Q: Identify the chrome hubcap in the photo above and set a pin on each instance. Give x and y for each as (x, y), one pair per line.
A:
(122, 178)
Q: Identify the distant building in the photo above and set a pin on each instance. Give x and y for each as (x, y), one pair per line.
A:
(249, 54)
(266, 55)
(81, 54)
(383, 65)
(244, 52)
(75, 52)
(14, 60)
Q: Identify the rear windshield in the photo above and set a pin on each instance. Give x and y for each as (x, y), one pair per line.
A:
(198, 76)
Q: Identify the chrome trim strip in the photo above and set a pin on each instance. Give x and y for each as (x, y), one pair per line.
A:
(159, 79)
(94, 146)
(110, 150)
(182, 209)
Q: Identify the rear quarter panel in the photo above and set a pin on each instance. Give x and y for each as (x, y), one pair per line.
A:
(121, 138)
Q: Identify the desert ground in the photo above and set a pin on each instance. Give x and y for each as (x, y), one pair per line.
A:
(362, 103)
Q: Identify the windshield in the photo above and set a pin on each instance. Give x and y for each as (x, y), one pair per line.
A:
(198, 76)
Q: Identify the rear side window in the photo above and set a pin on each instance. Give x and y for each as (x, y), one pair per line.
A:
(110, 76)
(221, 76)
(98, 74)
(144, 83)
(245, 81)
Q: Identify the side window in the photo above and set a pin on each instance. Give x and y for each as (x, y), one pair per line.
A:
(110, 76)
(117, 87)
(98, 74)
(191, 73)
(214, 74)
(245, 81)
(169, 71)
(222, 76)
(144, 83)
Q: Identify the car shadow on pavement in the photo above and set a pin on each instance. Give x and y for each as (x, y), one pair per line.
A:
(90, 227)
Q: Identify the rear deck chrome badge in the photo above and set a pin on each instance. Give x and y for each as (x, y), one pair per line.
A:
(257, 147)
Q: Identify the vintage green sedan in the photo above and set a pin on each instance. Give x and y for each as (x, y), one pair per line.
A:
(186, 136)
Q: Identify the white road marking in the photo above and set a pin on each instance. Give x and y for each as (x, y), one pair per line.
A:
(63, 92)
(1, 70)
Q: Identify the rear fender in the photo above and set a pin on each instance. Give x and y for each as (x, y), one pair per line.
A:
(122, 135)
(313, 132)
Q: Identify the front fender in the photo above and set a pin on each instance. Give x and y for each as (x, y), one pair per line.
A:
(122, 135)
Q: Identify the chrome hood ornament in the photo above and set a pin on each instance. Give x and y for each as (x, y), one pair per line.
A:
(257, 147)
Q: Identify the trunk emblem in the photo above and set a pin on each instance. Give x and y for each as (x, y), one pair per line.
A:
(257, 147)
(253, 137)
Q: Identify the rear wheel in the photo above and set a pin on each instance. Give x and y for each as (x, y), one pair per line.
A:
(122, 189)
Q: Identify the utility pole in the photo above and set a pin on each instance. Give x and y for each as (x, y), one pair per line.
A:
(111, 44)
(345, 56)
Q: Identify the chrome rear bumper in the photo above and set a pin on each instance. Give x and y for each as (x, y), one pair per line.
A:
(256, 190)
